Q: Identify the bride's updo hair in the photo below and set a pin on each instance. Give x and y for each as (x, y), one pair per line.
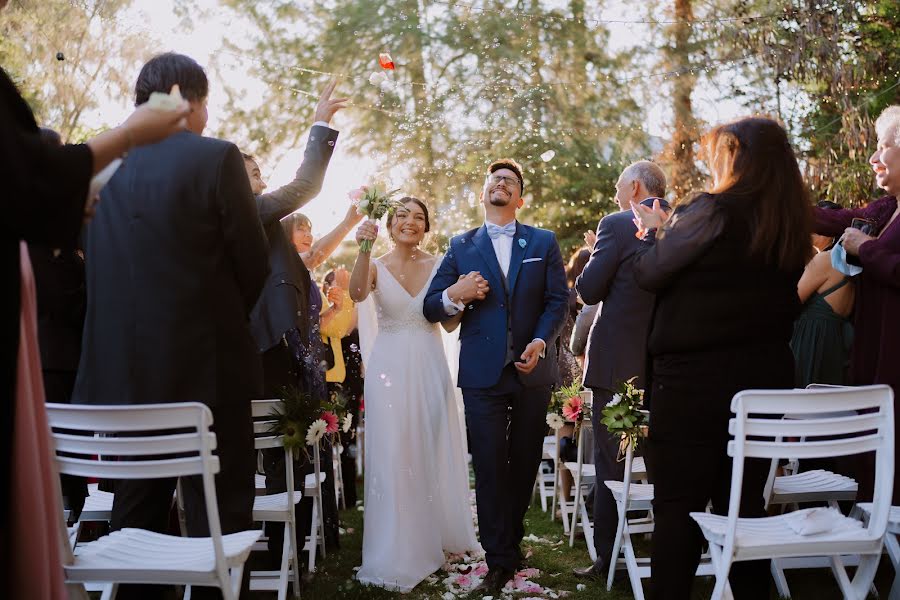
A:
(407, 200)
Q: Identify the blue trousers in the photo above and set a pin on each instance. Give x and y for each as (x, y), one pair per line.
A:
(506, 424)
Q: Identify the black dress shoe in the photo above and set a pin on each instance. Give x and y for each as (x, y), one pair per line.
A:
(495, 580)
(595, 572)
(520, 556)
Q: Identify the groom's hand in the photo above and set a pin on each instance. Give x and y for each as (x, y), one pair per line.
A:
(530, 357)
(469, 287)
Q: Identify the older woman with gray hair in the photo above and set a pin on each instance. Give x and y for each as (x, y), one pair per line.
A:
(876, 345)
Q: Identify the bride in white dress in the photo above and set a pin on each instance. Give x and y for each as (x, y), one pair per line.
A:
(416, 480)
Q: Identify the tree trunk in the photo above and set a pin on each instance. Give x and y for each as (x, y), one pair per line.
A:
(683, 174)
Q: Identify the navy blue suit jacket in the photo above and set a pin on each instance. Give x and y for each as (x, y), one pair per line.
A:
(537, 303)
(617, 346)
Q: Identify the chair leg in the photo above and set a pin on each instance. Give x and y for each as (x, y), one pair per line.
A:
(634, 575)
(864, 576)
(588, 528)
(555, 492)
(321, 523)
(285, 562)
(781, 583)
(313, 538)
(722, 567)
(233, 591)
(295, 559)
(110, 591)
(621, 531)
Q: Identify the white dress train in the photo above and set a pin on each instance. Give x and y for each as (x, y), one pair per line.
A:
(417, 503)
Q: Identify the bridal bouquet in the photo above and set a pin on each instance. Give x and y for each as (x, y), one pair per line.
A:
(304, 421)
(567, 405)
(374, 204)
(622, 415)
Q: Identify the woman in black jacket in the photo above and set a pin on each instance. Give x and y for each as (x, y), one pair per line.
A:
(724, 269)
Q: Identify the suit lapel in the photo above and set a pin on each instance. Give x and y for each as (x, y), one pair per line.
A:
(520, 243)
(483, 243)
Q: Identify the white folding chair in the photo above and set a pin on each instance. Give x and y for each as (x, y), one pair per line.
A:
(795, 487)
(278, 507)
(338, 473)
(360, 445)
(584, 475)
(135, 555)
(759, 432)
(544, 486)
(312, 487)
(633, 493)
(864, 509)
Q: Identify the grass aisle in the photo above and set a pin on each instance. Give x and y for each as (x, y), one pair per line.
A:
(549, 575)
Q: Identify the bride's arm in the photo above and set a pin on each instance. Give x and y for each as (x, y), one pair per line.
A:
(453, 322)
(362, 279)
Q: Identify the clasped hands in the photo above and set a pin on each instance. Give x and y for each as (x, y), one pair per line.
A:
(469, 287)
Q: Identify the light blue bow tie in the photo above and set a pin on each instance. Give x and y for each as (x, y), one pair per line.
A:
(495, 231)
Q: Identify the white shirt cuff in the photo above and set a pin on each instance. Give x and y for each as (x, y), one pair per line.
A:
(323, 124)
(544, 349)
(450, 307)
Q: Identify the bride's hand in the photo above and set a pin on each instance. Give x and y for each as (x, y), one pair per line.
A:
(469, 287)
(367, 231)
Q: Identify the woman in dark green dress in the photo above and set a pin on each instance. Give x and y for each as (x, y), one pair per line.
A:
(823, 332)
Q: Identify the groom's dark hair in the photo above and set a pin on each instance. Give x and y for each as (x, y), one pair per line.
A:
(163, 71)
(508, 163)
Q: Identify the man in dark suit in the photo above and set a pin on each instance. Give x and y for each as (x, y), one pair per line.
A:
(283, 305)
(176, 258)
(617, 346)
(512, 304)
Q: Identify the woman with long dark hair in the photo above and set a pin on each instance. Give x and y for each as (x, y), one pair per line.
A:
(724, 269)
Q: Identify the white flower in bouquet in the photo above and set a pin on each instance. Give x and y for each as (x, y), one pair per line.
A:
(348, 421)
(555, 421)
(316, 431)
(615, 400)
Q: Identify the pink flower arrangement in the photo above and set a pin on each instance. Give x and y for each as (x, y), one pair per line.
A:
(331, 421)
(572, 409)
(481, 570)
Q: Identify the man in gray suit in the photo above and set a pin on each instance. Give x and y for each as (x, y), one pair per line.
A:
(617, 346)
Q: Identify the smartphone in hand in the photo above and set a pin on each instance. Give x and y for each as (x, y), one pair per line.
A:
(867, 226)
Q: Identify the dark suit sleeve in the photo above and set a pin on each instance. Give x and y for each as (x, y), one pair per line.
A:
(595, 280)
(447, 275)
(688, 233)
(245, 241)
(556, 296)
(307, 182)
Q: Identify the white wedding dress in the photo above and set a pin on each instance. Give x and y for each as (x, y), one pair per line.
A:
(417, 503)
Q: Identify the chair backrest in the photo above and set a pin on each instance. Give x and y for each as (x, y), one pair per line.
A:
(792, 460)
(156, 441)
(173, 440)
(263, 414)
(760, 432)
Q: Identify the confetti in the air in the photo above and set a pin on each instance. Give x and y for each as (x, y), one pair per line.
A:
(385, 60)
(548, 155)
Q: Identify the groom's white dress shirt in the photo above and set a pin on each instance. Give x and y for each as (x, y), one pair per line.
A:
(503, 250)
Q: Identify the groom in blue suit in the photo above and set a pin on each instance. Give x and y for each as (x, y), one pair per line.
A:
(505, 283)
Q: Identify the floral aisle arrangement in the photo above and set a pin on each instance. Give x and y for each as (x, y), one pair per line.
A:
(622, 415)
(304, 421)
(374, 204)
(567, 405)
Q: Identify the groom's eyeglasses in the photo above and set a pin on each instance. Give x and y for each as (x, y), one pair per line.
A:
(498, 179)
